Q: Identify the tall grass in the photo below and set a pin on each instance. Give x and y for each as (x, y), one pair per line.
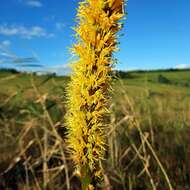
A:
(146, 149)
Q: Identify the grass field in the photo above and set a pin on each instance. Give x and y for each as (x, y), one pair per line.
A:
(148, 144)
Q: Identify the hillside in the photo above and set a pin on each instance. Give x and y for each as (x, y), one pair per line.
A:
(33, 107)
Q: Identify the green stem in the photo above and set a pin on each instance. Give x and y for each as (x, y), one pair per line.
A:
(86, 177)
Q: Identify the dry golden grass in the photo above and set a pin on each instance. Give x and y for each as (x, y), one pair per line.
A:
(147, 153)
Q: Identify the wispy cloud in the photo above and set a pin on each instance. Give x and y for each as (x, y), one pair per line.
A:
(7, 55)
(24, 32)
(182, 66)
(60, 26)
(5, 44)
(61, 69)
(33, 3)
(50, 18)
(4, 53)
(2, 61)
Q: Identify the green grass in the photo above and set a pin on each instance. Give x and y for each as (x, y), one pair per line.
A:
(161, 108)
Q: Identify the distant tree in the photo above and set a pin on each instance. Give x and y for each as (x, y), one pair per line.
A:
(122, 74)
(163, 79)
(9, 70)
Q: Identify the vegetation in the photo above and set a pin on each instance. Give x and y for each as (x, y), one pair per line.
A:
(148, 144)
(88, 91)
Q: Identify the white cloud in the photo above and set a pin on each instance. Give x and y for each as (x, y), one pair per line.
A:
(24, 32)
(2, 61)
(7, 55)
(50, 18)
(60, 26)
(182, 66)
(4, 54)
(62, 69)
(5, 44)
(34, 3)
(132, 69)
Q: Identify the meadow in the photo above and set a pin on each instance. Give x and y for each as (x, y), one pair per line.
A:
(147, 139)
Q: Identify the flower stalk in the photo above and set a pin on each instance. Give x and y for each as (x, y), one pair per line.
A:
(88, 91)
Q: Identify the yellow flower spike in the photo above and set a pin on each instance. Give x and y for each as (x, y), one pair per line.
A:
(88, 90)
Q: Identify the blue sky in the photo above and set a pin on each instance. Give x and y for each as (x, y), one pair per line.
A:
(156, 34)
